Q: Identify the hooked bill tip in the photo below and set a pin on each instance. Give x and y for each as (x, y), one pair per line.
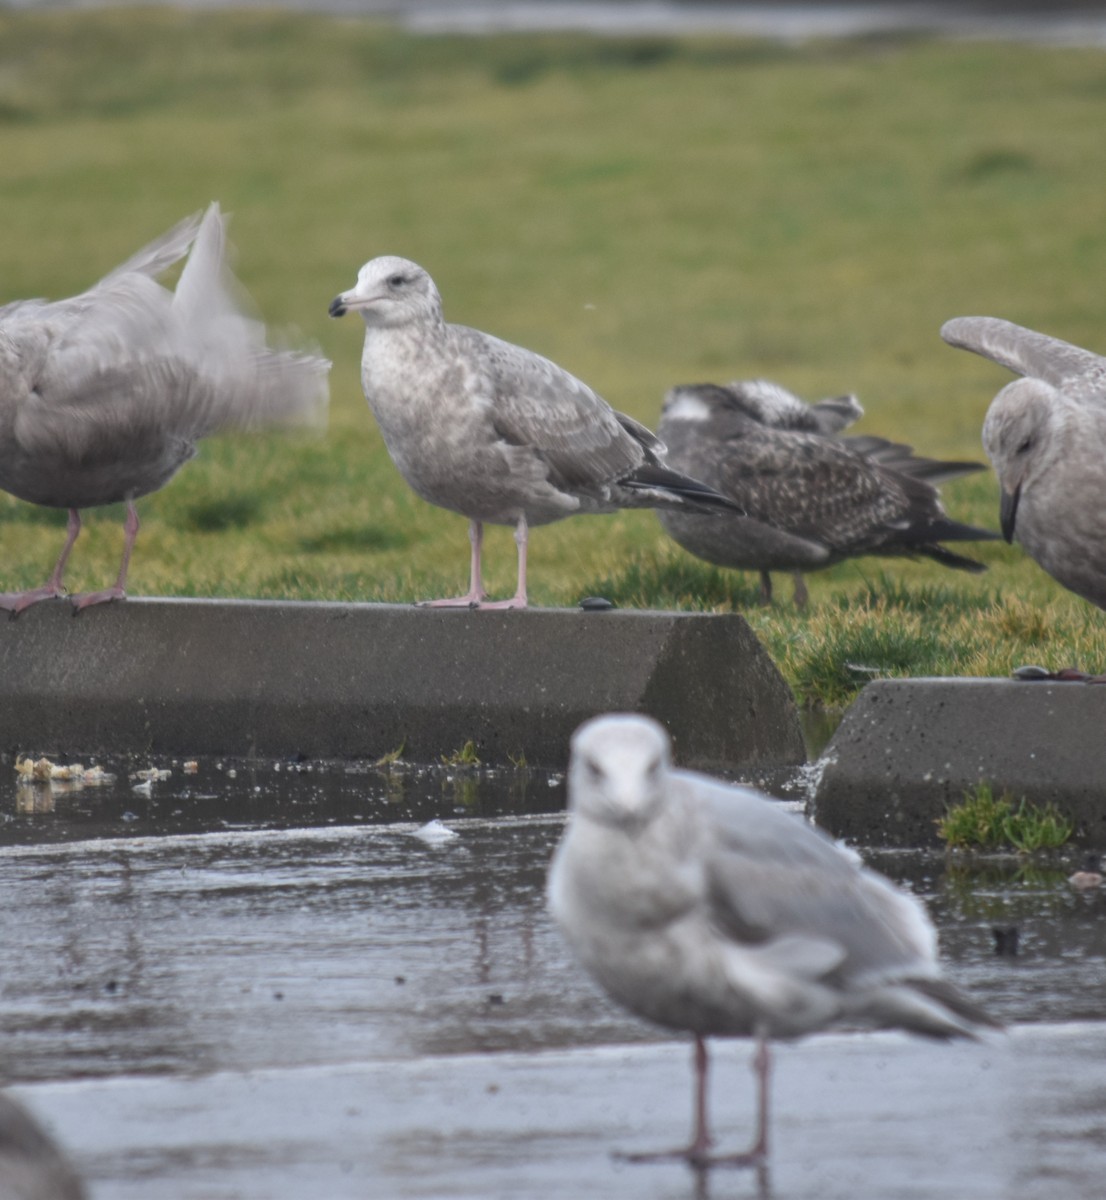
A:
(337, 307)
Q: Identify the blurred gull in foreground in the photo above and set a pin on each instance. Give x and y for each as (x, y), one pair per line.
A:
(1046, 436)
(705, 907)
(104, 396)
(495, 432)
(810, 499)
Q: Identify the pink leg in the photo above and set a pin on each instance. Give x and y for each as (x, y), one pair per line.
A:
(762, 1064)
(476, 597)
(16, 602)
(698, 1153)
(701, 1142)
(476, 591)
(518, 600)
(130, 532)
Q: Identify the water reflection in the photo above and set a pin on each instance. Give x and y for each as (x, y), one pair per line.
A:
(283, 914)
(212, 794)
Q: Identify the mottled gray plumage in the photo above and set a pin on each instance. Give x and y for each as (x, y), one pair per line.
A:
(810, 499)
(774, 406)
(492, 431)
(706, 907)
(31, 1165)
(103, 396)
(1046, 437)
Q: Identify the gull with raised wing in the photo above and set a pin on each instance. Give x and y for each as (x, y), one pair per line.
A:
(1046, 436)
(103, 396)
(495, 432)
(707, 908)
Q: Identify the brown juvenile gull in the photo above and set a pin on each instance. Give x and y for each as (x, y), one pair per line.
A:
(1046, 436)
(103, 396)
(495, 432)
(810, 499)
(706, 907)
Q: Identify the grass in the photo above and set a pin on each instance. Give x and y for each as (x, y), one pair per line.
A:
(466, 756)
(644, 211)
(984, 821)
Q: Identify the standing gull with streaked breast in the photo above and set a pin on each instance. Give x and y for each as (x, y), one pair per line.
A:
(809, 498)
(1046, 436)
(493, 431)
(103, 396)
(706, 908)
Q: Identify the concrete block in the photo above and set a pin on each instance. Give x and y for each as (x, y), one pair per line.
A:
(359, 680)
(907, 748)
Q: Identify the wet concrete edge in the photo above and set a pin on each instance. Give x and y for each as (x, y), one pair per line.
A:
(908, 748)
(331, 680)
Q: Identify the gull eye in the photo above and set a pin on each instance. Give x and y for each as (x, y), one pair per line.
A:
(396, 281)
(595, 771)
(1025, 445)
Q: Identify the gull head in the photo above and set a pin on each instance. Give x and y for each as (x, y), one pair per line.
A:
(695, 402)
(618, 770)
(390, 291)
(1017, 436)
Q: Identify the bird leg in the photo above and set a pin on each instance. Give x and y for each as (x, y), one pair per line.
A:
(801, 594)
(476, 597)
(518, 600)
(698, 1154)
(765, 587)
(476, 593)
(16, 602)
(117, 591)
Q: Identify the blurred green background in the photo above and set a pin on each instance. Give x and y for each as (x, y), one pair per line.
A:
(643, 211)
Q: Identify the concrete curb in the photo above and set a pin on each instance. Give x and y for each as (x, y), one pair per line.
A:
(907, 748)
(334, 680)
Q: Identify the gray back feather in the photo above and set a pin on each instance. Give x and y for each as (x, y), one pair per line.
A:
(539, 404)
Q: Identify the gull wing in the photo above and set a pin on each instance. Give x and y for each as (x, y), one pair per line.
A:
(1078, 373)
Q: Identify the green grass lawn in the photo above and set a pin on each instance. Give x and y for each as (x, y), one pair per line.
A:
(643, 211)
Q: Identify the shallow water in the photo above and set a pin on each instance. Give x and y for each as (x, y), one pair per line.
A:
(259, 980)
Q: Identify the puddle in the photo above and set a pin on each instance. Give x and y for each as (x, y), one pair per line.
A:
(207, 794)
(236, 980)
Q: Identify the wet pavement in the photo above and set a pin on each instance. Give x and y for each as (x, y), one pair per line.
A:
(268, 984)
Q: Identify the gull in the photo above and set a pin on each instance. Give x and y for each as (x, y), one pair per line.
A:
(705, 907)
(493, 431)
(103, 396)
(809, 498)
(1046, 437)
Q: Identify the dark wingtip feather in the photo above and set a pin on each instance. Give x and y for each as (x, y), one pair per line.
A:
(958, 562)
(696, 495)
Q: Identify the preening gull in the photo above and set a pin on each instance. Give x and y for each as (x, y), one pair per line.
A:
(705, 907)
(104, 396)
(31, 1165)
(495, 432)
(810, 498)
(1046, 437)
